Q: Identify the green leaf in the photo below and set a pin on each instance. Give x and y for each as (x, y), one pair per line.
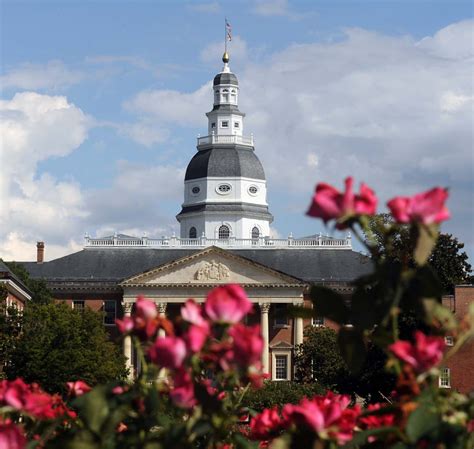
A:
(352, 347)
(421, 422)
(425, 243)
(94, 408)
(435, 312)
(329, 304)
(360, 438)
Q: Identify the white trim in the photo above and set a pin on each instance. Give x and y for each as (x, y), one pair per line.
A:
(13, 288)
(448, 377)
(284, 352)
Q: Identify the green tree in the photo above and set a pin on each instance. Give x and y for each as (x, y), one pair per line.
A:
(38, 287)
(449, 263)
(59, 344)
(10, 327)
(319, 360)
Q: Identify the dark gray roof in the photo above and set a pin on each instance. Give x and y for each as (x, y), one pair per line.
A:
(6, 273)
(310, 265)
(225, 78)
(230, 161)
(230, 108)
(251, 209)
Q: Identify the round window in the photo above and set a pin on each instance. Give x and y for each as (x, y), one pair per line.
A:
(195, 190)
(253, 190)
(224, 188)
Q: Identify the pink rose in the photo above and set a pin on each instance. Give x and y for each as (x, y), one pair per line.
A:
(78, 388)
(427, 207)
(328, 416)
(14, 393)
(192, 313)
(124, 326)
(11, 437)
(247, 344)
(182, 393)
(145, 309)
(227, 304)
(266, 425)
(196, 336)
(168, 352)
(426, 352)
(331, 204)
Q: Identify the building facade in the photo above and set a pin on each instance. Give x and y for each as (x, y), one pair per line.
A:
(224, 238)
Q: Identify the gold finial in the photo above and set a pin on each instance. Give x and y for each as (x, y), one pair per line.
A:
(225, 57)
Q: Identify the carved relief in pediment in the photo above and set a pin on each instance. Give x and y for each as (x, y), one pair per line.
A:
(212, 271)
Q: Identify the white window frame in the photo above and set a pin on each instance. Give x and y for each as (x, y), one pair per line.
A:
(444, 377)
(449, 340)
(79, 300)
(279, 325)
(105, 312)
(287, 354)
(313, 321)
(226, 126)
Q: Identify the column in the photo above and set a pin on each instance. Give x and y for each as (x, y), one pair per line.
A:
(127, 342)
(162, 312)
(264, 309)
(298, 330)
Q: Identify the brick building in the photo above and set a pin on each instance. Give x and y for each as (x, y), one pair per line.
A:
(17, 292)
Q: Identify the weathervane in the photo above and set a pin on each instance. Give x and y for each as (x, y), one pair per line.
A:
(227, 38)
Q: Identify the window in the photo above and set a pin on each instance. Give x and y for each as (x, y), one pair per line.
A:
(236, 125)
(445, 378)
(224, 188)
(224, 124)
(281, 367)
(449, 340)
(318, 321)
(281, 316)
(78, 305)
(225, 95)
(109, 310)
(213, 125)
(195, 190)
(224, 232)
(253, 190)
(255, 233)
(192, 233)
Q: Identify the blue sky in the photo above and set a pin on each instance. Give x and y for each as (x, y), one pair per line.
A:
(101, 103)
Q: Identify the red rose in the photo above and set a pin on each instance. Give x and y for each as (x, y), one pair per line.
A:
(227, 304)
(427, 207)
(247, 344)
(11, 437)
(168, 352)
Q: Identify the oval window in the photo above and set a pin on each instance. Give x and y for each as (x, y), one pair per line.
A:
(253, 190)
(195, 190)
(224, 188)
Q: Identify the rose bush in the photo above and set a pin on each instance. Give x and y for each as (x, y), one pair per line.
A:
(196, 370)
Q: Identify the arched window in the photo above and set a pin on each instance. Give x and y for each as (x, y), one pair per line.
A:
(224, 232)
(225, 95)
(255, 233)
(192, 233)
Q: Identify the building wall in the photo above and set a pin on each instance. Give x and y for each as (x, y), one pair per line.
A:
(461, 365)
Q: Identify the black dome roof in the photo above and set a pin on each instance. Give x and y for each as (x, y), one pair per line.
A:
(225, 162)
(225, 78)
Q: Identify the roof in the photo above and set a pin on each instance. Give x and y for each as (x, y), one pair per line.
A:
(248, 209)
(229, 161)
(117, 264)
(225, 78)
(6, 273)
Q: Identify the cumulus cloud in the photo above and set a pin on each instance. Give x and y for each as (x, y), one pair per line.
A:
(52, 75)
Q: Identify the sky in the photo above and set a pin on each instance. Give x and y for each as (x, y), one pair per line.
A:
(101, 103)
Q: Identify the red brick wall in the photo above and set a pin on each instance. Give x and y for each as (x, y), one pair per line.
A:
(462, 363)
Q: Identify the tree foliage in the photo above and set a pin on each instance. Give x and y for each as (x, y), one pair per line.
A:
(447, 260)
(59, 344)
(319, 360)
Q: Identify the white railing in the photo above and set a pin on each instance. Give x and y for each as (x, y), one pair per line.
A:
(223, 139)
(203, 242)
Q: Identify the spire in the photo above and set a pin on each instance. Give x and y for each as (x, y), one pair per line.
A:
(227, 38)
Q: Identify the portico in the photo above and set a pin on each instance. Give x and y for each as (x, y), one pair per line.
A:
(172, 284)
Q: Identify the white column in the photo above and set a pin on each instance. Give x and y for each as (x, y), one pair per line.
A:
(127, 342)
(162, 312)
(264, 309)
(298, 330)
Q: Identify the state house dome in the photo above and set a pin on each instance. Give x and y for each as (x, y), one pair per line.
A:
(236, 162)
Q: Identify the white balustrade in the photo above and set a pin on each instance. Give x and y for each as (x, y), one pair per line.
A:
(203, 242)
(225, 139)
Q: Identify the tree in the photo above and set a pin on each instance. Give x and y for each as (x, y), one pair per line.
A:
(447, 261)
(38, 287)
(59, 344)
(319, 360)
(10, 327)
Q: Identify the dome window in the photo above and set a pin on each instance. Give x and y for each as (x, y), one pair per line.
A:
(255, 233)
(236, 125)
(224, 232)
(253, 190)
(224, 124)
(192, 233)
(195, 190)
(223, 189)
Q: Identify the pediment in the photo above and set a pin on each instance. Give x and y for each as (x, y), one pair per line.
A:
(210, 267)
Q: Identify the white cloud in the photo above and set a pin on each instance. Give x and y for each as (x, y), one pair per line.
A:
(52, 75)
